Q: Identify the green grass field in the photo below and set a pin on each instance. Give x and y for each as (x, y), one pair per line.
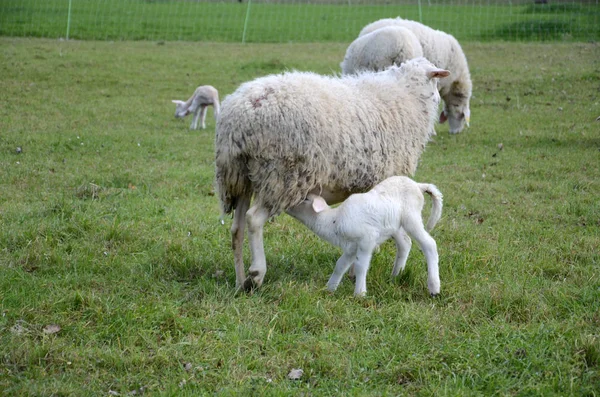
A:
(116, 276)
(290, 22)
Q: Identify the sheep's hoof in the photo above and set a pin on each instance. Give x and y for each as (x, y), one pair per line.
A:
(251, 282)
(434, 295)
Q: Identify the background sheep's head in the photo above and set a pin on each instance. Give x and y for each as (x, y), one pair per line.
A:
(456, 108)
(181, 109)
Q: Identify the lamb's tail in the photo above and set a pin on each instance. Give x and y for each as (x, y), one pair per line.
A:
(436, 206)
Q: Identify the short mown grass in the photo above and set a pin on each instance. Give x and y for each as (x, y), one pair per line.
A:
(116, 275)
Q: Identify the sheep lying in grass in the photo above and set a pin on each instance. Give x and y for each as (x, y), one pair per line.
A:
(204, 96)
(362, 222)
(381, 48)
(281, 137)
(442, 49)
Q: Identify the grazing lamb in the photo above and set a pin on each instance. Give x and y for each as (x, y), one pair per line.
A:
(281, 137)
(438, 47)
(381, 48)
(362, 222)
(204, 96)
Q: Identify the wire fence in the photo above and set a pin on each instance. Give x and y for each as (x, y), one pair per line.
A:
(295, 20)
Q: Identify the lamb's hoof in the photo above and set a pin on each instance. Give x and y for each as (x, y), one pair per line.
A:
(434, 295)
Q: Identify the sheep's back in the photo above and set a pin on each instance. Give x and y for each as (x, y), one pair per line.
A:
(288, 134)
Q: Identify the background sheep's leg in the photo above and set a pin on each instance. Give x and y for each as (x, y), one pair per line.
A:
(257, 216)
(194, 124)
(237, 239)
(403, 245)
(341, 267)
(361, 267)
(203, 109)
(414, 227)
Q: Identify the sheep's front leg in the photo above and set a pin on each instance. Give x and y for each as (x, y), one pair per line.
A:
(342, 265)
(257, 217)
(237, 239)
(361, 267)
(203, 115)
(197, 113)
(403, 245)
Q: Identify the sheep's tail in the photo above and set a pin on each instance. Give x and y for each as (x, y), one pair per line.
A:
(436, 206)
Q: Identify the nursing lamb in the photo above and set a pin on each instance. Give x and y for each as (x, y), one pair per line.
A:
(391, 209)
(281, 137)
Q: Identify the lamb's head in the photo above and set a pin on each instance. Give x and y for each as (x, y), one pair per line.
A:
(308, 209)
(181, 109)
(456, 106)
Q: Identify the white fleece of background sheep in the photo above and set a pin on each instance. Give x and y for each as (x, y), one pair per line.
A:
(441, 48)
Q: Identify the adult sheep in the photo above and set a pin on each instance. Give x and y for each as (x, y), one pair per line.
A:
(281, 137)
(381, 48)
(439, 47)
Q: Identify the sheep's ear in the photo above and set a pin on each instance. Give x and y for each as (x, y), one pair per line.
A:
(437, 73)
(176, 102)
(319, 204)
(443, 117)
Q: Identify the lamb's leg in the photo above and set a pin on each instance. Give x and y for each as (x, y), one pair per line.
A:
(194, 124)
(361, 267)
(341, 267)
(257, 217)
(414, 227)
(203, 115)
(237, 239)
(403, 245)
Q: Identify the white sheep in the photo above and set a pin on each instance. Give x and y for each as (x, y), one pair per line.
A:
(204, 96)
(439, 47)
(281, 137)
(381, 48)
(391, 209)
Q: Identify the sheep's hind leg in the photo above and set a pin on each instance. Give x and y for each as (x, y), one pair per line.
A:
(237, 239)
(257, 217)
(403, 245)
(414, 227)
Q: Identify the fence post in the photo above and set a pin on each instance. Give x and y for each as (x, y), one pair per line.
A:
(420, 12)
(246, 21)
(69, 20)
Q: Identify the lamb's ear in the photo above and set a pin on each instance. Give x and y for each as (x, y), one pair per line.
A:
(176, 102)
(437, 73)
(319, 204)
(443, 117)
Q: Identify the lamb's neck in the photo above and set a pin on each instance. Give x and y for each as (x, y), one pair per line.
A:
(324, 225)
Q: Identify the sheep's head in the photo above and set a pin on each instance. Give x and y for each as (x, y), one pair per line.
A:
(308, 208)
(181, 109)
(456, 107)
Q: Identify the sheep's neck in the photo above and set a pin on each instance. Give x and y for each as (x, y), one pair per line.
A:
(324, 225)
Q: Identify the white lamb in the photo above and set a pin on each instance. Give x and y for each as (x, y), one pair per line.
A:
(362, 222)
(438, 47)
(381, 48)
(281, 137)
(204, 96)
